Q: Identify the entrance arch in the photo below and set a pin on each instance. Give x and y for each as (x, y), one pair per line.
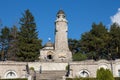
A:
(49, 57)
(10, 74)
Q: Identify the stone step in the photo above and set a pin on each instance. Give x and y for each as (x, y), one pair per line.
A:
(50, 75)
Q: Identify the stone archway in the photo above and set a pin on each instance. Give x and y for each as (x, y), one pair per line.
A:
(49, 55)
(10, 74)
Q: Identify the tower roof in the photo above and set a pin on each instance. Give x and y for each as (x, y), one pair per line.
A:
(61, 12)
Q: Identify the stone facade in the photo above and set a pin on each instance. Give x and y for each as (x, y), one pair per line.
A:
(60, 51)
(89, 68)
(48, 66)
(47, 53)
(12, 70)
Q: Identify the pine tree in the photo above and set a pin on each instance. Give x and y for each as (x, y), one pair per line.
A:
(28, 41)
(13, 45)
(114, 44)
(4, 42)
(95, 41)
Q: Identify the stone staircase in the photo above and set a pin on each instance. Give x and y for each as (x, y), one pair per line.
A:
(51, 75)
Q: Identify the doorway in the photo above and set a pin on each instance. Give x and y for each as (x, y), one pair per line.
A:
(49, 57)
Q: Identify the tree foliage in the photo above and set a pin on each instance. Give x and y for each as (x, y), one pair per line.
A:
(114, 43)
(13, 44)
(74, 45)
(79, 57)
(20, 44)
(95, 41)
(4, 42)
(28, 42)
(99, 42)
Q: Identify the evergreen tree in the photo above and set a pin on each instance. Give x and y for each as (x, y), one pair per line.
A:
(4, 42)
(94, 42)
(114, 44)
(98, 43)
(100, 40)
(28, 42)
(74, 45)
(13, 48)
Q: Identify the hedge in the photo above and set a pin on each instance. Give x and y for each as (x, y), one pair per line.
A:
(80, 78)
(116, 78)
(104, 74)
(15, 79)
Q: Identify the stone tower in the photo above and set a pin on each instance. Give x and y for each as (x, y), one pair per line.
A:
(62, 52)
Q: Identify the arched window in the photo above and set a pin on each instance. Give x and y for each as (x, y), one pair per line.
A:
(103, 66)
(84, 73)
(10, 74)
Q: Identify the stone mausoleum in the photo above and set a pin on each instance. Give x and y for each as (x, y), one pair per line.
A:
(54, 58)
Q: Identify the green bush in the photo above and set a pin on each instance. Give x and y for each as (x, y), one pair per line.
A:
(88, 79)
(32, 68)
(66, 68)
(104, 74)
(69, 79)
(117, 78)
(81, 79)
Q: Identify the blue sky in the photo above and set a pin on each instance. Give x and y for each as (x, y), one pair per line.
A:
(80, 14)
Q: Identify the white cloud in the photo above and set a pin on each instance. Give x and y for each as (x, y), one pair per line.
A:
(119, 9)
(116, 18)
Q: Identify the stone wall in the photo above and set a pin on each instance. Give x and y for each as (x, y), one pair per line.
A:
(12, 70)
(48, 66)
(87, 67)
(90, 67)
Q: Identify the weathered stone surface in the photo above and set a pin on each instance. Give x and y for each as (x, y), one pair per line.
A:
(48, 66)
(17, 69)
(91, 67)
